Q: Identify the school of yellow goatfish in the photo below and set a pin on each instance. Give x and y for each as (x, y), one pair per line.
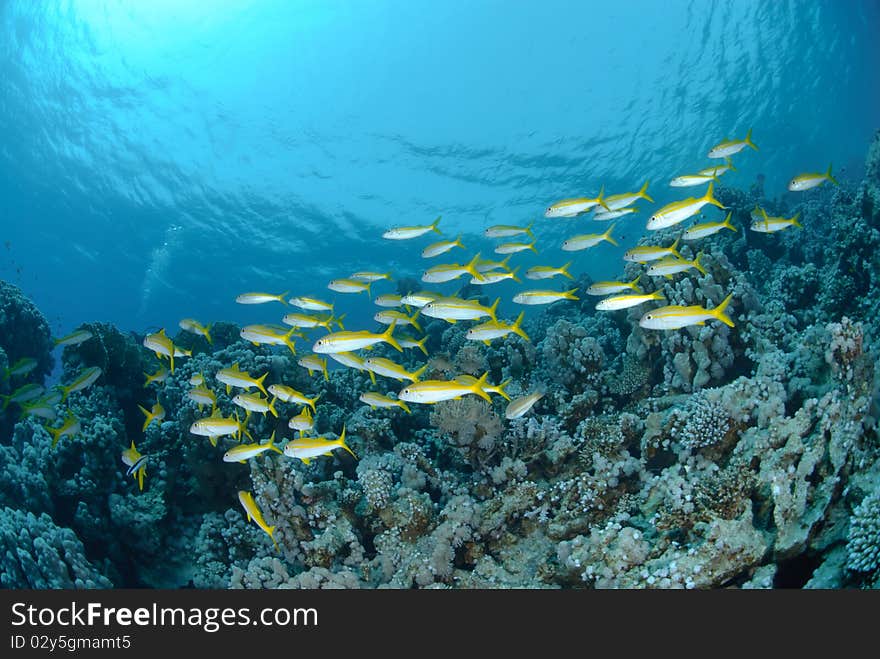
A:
(400, 314)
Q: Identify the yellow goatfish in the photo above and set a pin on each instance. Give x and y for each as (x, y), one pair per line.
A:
(679, 211)
(253, 513)
(645, 253)
(604, 216)
(74, 338)
(409, 342)
(290, 395)
(626, 301)
(389, 316)
(507, 231)
(586, 240)
(388, 300)
(195, 327)
(494, 329)
(159, 376)
(350, 286)
(548, 272)
(803, 182)
(495, 277)
(85, 379)
(305, 321)
(513, 248)
(489, 266)
(306, 448)
(261, 298)
(718, 170)
(611, 287)
(670, 266)
(774, 224)
(389, 369)
(707, 229)
(235, 377)
(433, 391)
(351, 360)
(69, 428)
(618, 201)
(157, 414)
(197, 379)
(348, 341)
(374, 400)
(517, 408)
(676, 317)
(419, 299)
(690, 180)
(314, 363)
(406, 233)
(136, 463)
(160, 344)
(21, 367)
(544, 297)
(366, 275)
(573, 207)
(203, 396)
(311, 304)
(453, 309)
(244, 452)
(441, 247)
(727, 148)
(23, 394)
(440, 274)
(273, 335)
(488, 388)
(255, 403)
(217, 425)
(302, 422)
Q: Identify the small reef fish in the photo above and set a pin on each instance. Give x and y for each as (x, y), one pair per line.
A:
(310, 304)
(453, 309)
(419, 299)
(690, 180)
(273, 335)
(40, 408)
(429, 392)
(440, 274)
(253, 513)
(255, 403)
(203, 396)
(676, 317)
(586, 240)
(349, 286)
(84, 380)
(407, 233)
(611, 287)
(375, 399)
(513, 248)
(410, 342)
(182, 352)
(217, 425)
(244, 452)
(261, 298)
(544, 297)
(197, 379)
(671, 265)
(157, 414)
(314, 363)
(495, 277)
(519, 407)
(708, 229)
(136, 463)
(74, 338)
(727, 148)
(718, 170)
(160, 376)
(23, 394)
(388, 300)
(195, 327)
(645, 253)
(679, 211)
(548, 272)
(160, 344)
(307, 448)
(70, 428)
(348, 341)
(436, 249)
(389, 369)
(604, 216)
(489, 266)
(773, 224)
(22, 367)
(618, 201)
(305, 321)
(803, 182)
(302, 422)
(498, 389)
(494, 329)
(387, 317)
(289, 395)
(233, 376)
(508, 231)
(366, 275)
(351, 360)
(626, 301)
(573, 207)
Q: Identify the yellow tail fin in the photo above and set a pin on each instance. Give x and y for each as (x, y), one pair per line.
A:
(748, 140)
(643, 193)
(569, 295)
(673, 248)
(564, 270)
(513, 274)
(532, 246)
(829, 176)
(259, 383)
(342, 443)
(795, 222)
(710, 199)
(421, 345)
(727, 223)
(517, 326)
(471, 267)
(435, 223)
(477, 387)
(412, 320)
(208, 333)
(607, 235)
(500, 389)
(531, 224)
(389, 339)
(419, 373)
(633, 285)
(698, 265)
(493, 310)
(601, 198)
(719, 312)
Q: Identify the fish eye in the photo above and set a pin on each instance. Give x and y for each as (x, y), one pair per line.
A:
(649, 316)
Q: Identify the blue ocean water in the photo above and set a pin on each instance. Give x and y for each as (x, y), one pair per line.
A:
(158, 158)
